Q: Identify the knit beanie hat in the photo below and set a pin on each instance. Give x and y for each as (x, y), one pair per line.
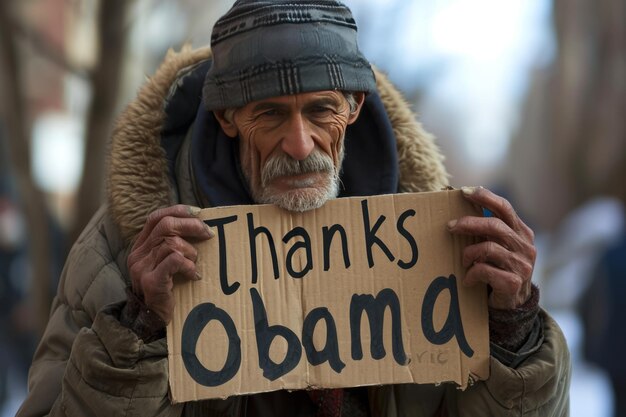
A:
(270, 48)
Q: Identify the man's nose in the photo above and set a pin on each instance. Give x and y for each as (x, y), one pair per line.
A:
(297, 141)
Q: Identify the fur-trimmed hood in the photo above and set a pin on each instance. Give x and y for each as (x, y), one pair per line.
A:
(137, 170)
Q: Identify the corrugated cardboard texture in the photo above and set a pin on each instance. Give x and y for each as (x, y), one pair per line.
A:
(299, 322)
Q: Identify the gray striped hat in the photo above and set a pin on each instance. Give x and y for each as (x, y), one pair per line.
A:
(270, 48)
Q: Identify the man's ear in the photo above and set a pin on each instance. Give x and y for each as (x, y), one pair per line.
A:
(228, 126)
(360, 99)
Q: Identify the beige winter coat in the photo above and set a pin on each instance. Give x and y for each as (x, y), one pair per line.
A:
(89, 365)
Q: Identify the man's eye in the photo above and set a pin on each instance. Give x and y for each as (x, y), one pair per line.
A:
(269, 113)
(320, 110)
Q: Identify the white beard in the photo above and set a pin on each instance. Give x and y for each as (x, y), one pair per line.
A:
(304, 196)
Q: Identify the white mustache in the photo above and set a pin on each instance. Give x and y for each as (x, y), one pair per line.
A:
(283, 164)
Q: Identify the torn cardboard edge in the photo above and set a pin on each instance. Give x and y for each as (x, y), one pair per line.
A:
(363, 291)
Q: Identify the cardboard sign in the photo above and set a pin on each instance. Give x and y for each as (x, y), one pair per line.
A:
(363, 291)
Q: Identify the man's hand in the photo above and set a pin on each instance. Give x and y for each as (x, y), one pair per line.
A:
(164, 249)
(505, 258)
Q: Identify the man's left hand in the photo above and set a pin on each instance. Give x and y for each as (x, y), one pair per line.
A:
(505, 257)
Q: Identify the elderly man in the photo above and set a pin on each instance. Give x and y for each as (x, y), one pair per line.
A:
(285, 110)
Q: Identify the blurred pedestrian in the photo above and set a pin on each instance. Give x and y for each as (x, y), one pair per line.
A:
(603, 311)
(17, 342)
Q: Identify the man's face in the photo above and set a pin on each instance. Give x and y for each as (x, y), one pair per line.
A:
(291, 147)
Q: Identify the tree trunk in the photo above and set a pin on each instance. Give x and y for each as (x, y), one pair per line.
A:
(570, 147)
(112, 39)
(32, 199)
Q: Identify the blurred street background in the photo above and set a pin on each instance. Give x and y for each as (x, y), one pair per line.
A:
(526, 97)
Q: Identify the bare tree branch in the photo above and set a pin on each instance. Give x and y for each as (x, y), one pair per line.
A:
(47, 49)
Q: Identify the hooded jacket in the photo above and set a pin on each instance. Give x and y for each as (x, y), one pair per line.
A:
(88, 364)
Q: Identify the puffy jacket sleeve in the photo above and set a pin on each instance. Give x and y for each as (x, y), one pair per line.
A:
(87, 363)
(538, 387)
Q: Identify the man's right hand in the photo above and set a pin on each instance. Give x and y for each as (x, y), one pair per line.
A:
(164, 249)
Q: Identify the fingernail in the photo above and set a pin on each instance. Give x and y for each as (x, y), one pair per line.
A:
(452, 223)
(468, 190)
(194, 211)
(198, 276)
(209, 230)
